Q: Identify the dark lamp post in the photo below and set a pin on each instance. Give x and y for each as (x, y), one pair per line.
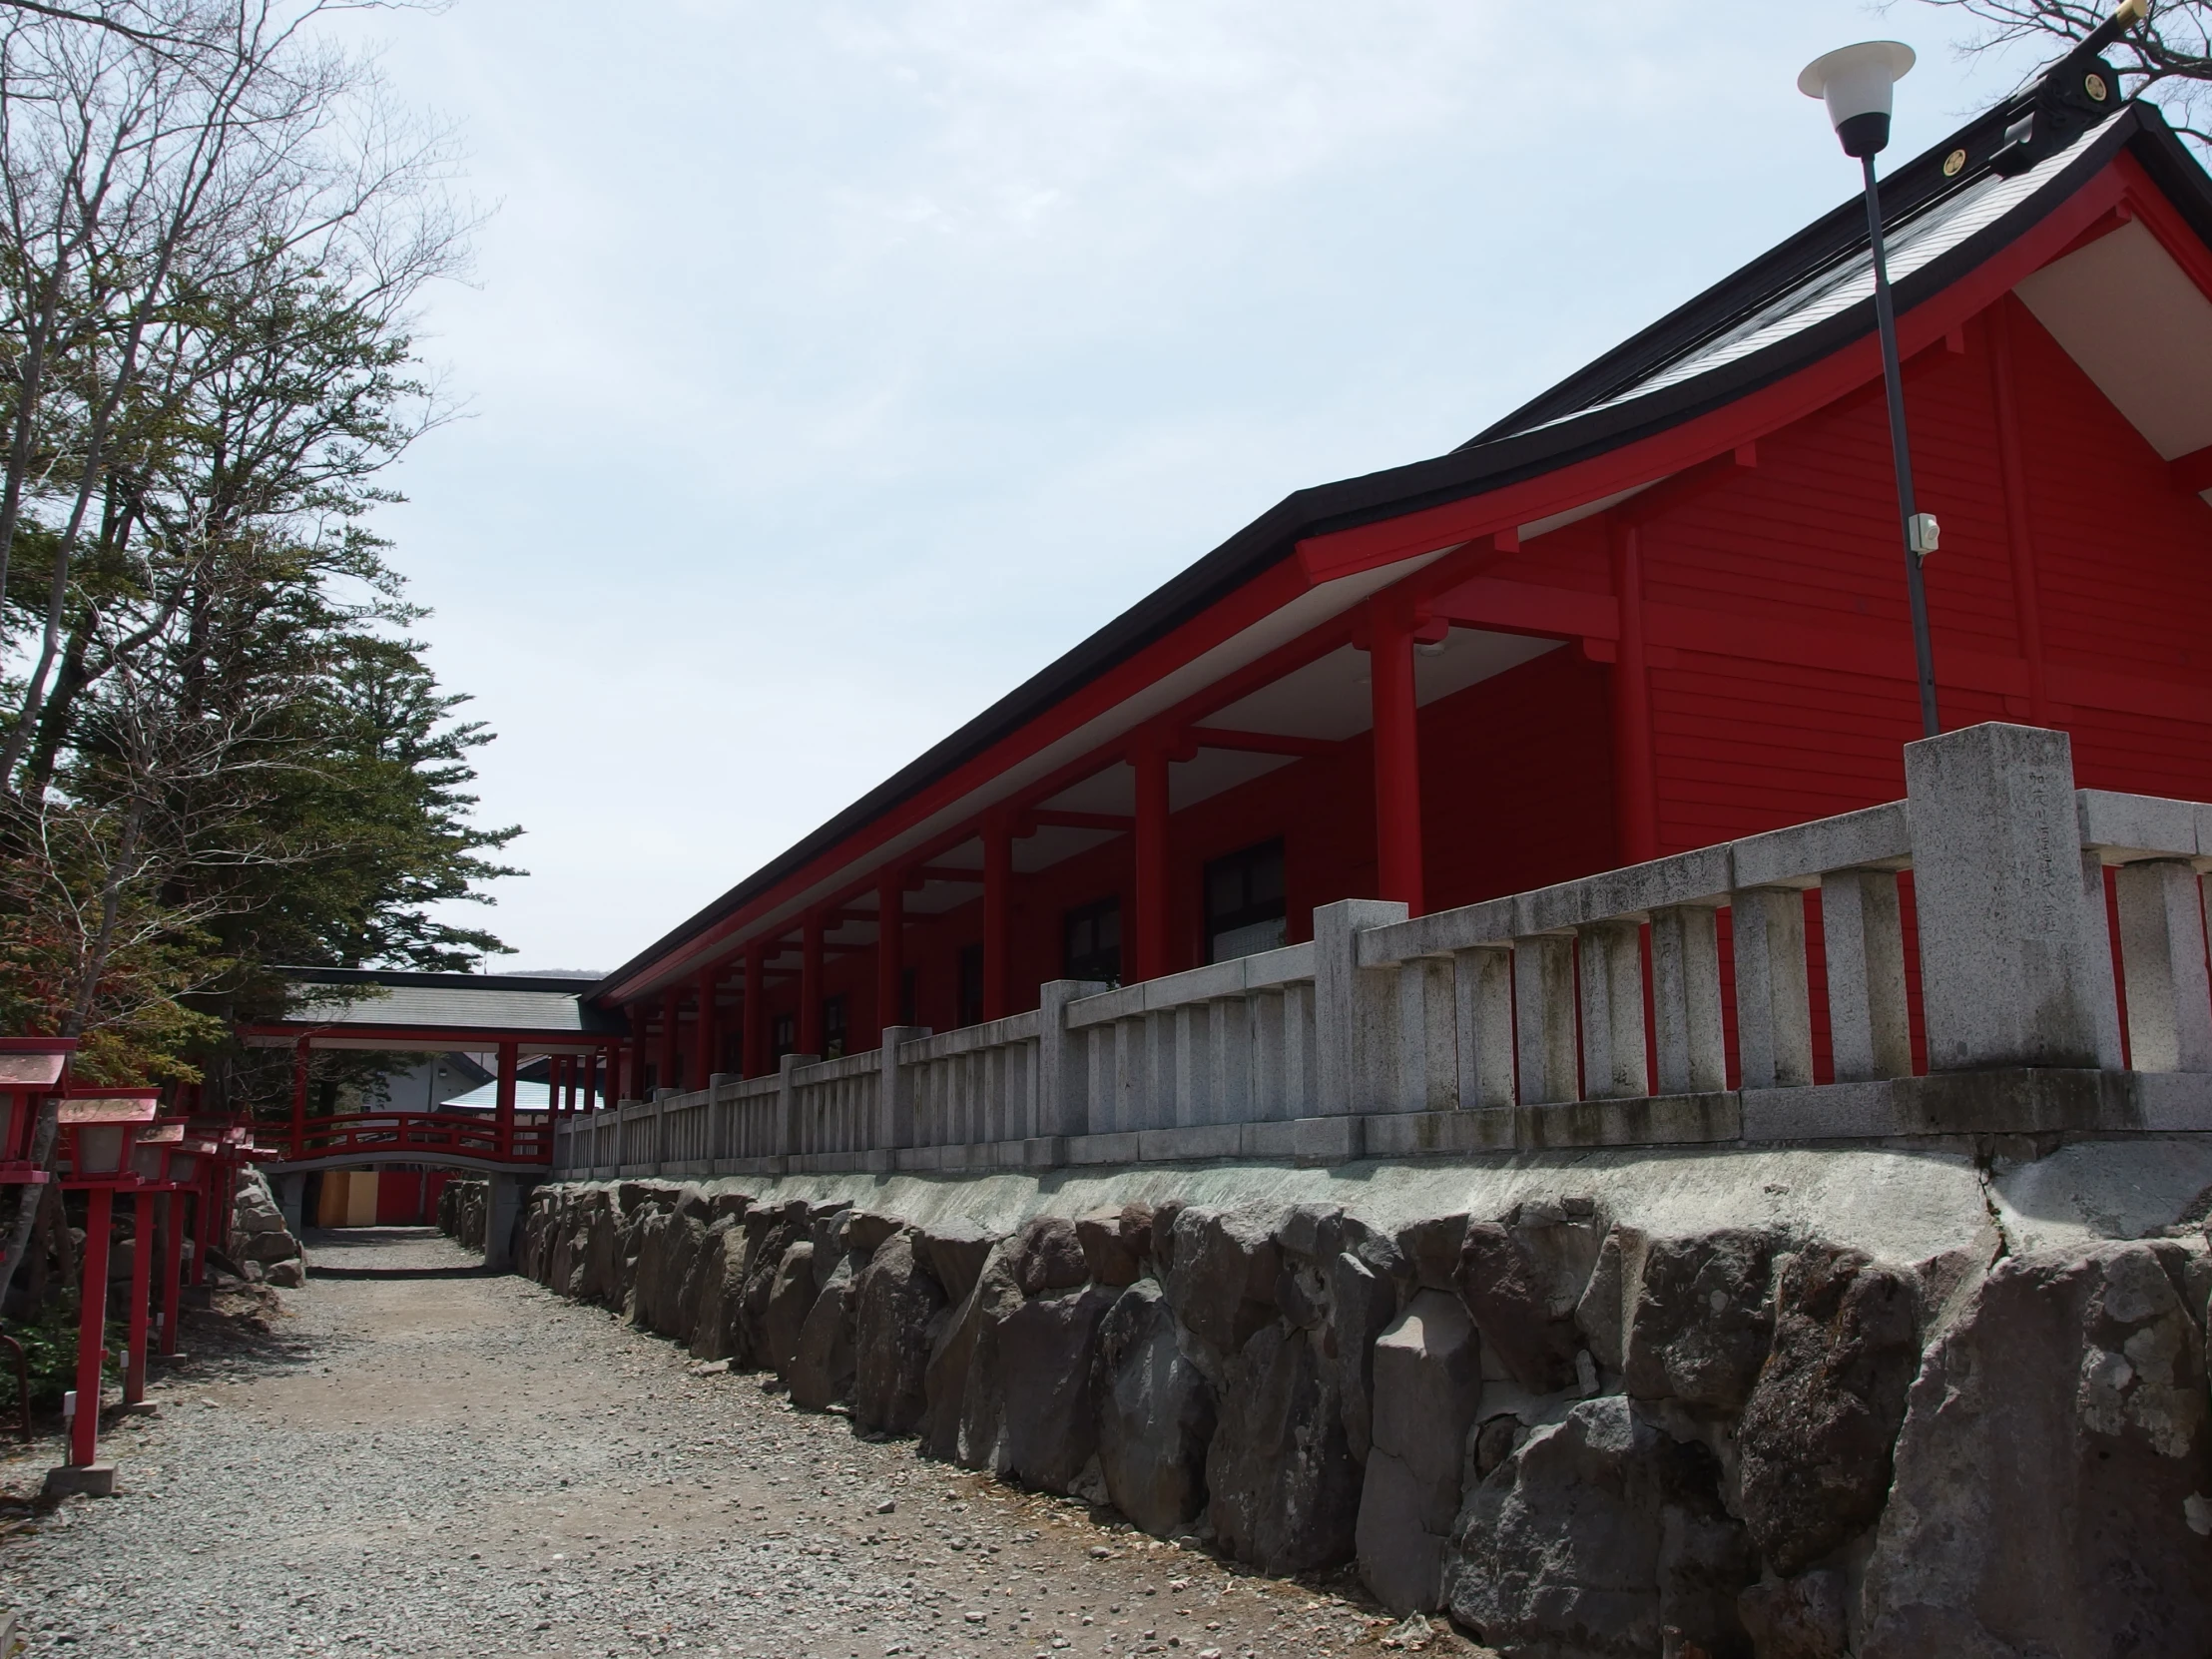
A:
(1856, 83)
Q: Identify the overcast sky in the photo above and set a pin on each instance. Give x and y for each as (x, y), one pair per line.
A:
(830, 368)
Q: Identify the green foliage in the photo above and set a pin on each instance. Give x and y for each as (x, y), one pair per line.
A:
(50, 1350)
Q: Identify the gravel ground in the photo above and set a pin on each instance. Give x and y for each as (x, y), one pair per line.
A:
(424, 1460)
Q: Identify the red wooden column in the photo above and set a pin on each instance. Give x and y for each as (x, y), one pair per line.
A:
(1635, 774)
(2027, 604)
(92, 1324)
(754, 1012)
(665, 1050)
(633, 1075)
(704, 1058)
(810, 983)
(1397, 850)
(998, 917)
(891, 948)
(503, 1113)
(1147, 929)
(142, 1289)
(173, 1262)
(298, 1096)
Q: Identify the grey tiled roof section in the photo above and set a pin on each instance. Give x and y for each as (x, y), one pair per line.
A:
(1920, 240)
(444, 1006)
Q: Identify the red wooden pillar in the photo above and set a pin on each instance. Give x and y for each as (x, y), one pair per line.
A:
(810, 983)
(2027, 605)
(1635, 777)
(705, 1062)
(503, 1113)
(665, 1050)
(754, 1012)
(142, 1289)
(1397, 850)
(200, 1201)
(1148, 931)
(633, 1071)
(173, 1261)
(91, 1326)
(890, 951)
(998, 917)
(298, 1096)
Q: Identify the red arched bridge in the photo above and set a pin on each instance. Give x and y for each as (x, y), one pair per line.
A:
(515, 1020)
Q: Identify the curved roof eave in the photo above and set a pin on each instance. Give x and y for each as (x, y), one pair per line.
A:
(1527, 443)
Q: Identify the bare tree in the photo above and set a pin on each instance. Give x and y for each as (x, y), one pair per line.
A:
(2167, 57)
(134, 186)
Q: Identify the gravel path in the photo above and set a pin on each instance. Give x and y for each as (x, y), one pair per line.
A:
(425, 1460)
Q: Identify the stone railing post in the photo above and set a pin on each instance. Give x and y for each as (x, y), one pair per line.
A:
(1063, 1061)
(894, 1099)
(2015, 969)
(793, 1132)
(1355, 1011)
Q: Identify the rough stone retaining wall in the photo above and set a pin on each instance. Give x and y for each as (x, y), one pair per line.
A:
(264, 1247)
(1795, 1404)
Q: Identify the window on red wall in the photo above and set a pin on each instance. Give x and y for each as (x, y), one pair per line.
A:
(783, 1037)
(909, 998)
(833, 1028)
(971, 1011)
(1245, 909)
(1090, 942)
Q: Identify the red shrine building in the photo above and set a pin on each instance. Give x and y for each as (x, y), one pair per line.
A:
(1660, 605)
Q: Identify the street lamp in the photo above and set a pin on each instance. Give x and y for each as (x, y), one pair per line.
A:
(1856, 83)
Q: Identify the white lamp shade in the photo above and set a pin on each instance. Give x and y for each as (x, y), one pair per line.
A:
(1855, 82)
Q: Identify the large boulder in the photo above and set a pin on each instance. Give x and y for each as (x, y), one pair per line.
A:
(1284, 1490)
(1362, 1304)
(717, 1324)
(1814, 1440)
(600, 1277)
(823, 1368)
(790, 1297)
(1700, 1321)
(1220, 1277)
(1154, 1414)
(1116, 1243)
(961, 1420)
(1046, 1254)
(1600, 1537)
(1046, 1349)
(768, 1233)
(955, 1250)
(674, 1299)
(1428, 1382)
(2054, 1488)
(896, 1304)
(1509, 1291)
(1798, 1618)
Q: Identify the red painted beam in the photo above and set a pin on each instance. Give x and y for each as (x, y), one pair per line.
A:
(1260, 743)
(921, 874)
(1052, 817)
(2193, 472)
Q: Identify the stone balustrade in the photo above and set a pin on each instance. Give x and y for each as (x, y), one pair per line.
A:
(1940, 965)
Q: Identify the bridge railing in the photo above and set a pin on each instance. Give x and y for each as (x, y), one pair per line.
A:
(432, 1134)
(1956, 962)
